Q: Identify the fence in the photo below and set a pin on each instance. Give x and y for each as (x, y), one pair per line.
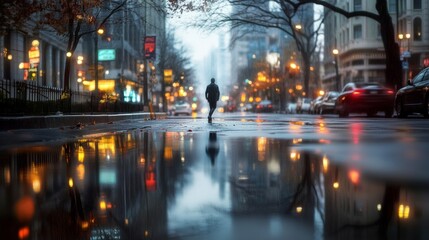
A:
(28, 98)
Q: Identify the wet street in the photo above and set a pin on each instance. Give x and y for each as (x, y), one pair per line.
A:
(245, 176)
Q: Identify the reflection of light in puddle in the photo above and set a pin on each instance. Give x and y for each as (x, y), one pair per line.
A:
(354, 176)
(274, 167)
(197, 200)
(356, 132)
(206, 195)
(259, 120)
(325, 163)
(294, 155)
(322, 127)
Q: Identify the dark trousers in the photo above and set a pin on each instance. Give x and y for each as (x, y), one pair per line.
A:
(212, 108)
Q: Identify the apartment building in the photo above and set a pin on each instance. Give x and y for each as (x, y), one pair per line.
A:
(360, 52)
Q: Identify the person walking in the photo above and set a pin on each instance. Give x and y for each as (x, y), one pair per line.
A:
(212, 96)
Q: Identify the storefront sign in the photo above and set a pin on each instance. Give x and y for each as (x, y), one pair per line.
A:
(34, 56)
(106, 54)
(149, 47)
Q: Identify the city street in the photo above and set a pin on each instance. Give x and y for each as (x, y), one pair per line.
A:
(245, 176)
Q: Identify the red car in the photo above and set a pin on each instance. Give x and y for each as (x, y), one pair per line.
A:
(369, 98)
(264, 106)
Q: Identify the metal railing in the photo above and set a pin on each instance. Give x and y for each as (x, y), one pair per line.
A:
(29, 98)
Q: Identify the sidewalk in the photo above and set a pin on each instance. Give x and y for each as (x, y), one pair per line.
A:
(54, 121)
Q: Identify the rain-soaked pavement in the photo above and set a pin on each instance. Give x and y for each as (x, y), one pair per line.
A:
(190, 184)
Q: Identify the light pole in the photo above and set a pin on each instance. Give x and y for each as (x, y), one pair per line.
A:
(404, 56)
(273, 59)
(80, 75)
(100, 31)
(337, 75)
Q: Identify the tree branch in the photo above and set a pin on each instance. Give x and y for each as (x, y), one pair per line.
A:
(334, 8)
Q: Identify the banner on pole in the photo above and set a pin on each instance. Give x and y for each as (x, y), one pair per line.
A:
(149, 47)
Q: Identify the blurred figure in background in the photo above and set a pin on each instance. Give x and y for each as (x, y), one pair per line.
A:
(212, 96)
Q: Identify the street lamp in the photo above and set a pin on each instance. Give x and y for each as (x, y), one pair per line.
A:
(337, 75)
(273, 59)
(405, 54)
(99, 31)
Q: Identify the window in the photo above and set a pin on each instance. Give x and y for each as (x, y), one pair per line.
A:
(376, 61)
(419, 77)
(417, 4)
(392, 6)
(357, 5)
(347, 88)
(357, 32)
(357, 62)
(402, 6)
(417, 29)
(426, 78)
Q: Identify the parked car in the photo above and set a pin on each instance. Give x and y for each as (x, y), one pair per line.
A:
(182, 107)
(230, 107)
(327, 104)
(291, 107)
(315, 104)
(414, 98)
(248, 107)
(303, 105)
(369, 98)
(264, 106)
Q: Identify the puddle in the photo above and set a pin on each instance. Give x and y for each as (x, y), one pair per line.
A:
(144, 185)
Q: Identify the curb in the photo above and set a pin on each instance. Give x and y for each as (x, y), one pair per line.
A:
(54, 121)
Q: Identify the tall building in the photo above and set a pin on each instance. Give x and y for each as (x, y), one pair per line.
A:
(248, 43)
(121, 55)
(412, 28)
(262, 55)
(361, 56)
(119, 51)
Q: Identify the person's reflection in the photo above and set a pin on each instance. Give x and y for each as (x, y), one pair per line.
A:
(212, 148)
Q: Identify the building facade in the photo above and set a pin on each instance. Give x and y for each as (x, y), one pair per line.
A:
(412, 26)
(261, 57)
(46, 69)
(122, 62)
(360, 52)
(115, 58)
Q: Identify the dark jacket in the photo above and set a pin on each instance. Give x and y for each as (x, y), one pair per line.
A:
(212, 92)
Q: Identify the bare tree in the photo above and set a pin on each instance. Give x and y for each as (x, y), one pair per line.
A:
(13, 14)
(177, 59)
(259, 13)
(174, 57)
(393, 64)
(75, 19)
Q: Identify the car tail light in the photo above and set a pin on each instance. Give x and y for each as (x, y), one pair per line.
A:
(357, 92)
(389, 92)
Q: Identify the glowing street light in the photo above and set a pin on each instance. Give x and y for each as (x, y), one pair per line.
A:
(337, 75)
(405, 54)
